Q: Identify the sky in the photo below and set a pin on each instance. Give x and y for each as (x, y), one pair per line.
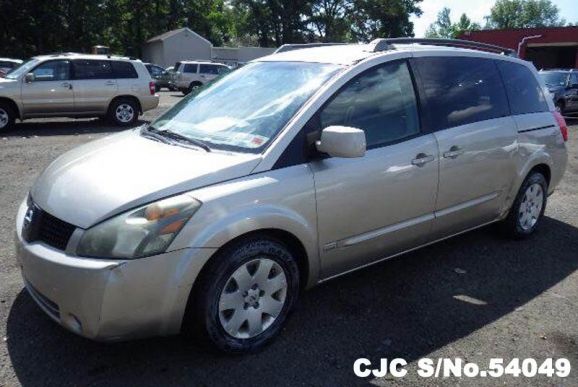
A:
(476, 10)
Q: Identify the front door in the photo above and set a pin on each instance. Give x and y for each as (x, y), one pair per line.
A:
(50, 92)
(477, 138)
(380, 204)
(94, 85)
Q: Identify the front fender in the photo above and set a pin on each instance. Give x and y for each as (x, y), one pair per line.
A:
(280, 200)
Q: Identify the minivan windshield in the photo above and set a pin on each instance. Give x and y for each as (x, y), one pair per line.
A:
(22, 69)
(554, 78)
(244, 110)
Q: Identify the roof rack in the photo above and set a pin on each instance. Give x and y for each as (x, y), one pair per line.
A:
(385, 43)
(291, 47)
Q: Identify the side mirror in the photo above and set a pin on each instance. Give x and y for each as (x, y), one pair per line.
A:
(342, 141)
(28, 78)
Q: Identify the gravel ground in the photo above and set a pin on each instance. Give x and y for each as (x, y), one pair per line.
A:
(411, 307)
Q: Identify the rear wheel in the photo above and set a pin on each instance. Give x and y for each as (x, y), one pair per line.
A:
(194, 86)
(123, 112)
(7, 117)
(528, 207)
(245, 295)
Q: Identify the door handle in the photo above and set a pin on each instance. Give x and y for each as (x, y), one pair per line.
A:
(67, 85)
(422, 159)
(110, 83)
(454, 152)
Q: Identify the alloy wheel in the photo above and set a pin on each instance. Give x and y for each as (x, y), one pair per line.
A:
(4, 118)
(124, 113)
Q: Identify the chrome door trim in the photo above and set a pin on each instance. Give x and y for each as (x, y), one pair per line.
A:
(464, 205)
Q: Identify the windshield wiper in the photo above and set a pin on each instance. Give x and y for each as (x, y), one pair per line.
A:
(169, 134)
(180, 138)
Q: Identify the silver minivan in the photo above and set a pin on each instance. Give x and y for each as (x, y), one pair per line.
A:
(295, 169)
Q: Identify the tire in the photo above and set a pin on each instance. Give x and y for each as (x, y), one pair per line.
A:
(157, 88)
(528, 208)
(194, 86)
(123, 112)
(244, 276)
(7, 117)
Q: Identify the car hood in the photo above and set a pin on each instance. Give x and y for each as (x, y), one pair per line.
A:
(7, 83)
(106, 177)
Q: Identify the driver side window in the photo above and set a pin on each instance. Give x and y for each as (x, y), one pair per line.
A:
(56, 70)
(380, 101)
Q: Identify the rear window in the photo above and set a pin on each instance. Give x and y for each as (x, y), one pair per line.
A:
(524, 91)
(190, 68)
(92, 69)
(123, 70)
(461, 90)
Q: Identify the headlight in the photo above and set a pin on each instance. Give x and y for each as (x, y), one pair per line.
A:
(139, 233)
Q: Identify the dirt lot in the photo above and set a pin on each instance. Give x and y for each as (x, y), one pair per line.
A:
(411, 307)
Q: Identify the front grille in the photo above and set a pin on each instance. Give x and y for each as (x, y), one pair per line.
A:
(40, 226)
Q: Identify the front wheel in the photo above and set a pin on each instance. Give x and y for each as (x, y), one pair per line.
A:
(7, 117)
(528, 207)
(123, 112)
(245, 295)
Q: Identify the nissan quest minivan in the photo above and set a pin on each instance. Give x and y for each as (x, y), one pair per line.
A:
(297, 168)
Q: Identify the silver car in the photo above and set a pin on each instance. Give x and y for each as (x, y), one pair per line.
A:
(293, 170)
(76, 85)
(191, 75)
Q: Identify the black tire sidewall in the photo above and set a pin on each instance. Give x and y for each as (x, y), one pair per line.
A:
(11, 117)
(513, 220)
(112, 112)
(215, 279)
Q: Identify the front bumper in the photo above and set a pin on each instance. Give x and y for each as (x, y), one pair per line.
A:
(110, 300)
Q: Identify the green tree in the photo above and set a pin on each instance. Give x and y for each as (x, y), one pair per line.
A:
(524, 14)
(383, 18)
(444, 28)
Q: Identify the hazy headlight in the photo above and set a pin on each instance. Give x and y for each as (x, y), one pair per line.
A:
(139, 233)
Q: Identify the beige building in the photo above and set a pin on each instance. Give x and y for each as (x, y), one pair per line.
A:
(176, 45)
(185, 44)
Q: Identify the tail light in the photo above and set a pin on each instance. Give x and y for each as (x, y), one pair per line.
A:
(562, 124)
(152, 87)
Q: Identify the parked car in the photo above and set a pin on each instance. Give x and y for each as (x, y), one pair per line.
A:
(190, 75)
(563, 85)
(7, 64)
(163, 78)
(291, 171)
(76, 85)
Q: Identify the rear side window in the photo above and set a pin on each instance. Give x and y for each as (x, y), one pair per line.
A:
(190, 68)
(380, 101)
(9, 65)
(524, 91)
(123, 70)
(461, 90)
(209, 69)
(92, 69)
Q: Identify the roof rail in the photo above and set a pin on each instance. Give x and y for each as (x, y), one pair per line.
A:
(384, 44)
(292, 47)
